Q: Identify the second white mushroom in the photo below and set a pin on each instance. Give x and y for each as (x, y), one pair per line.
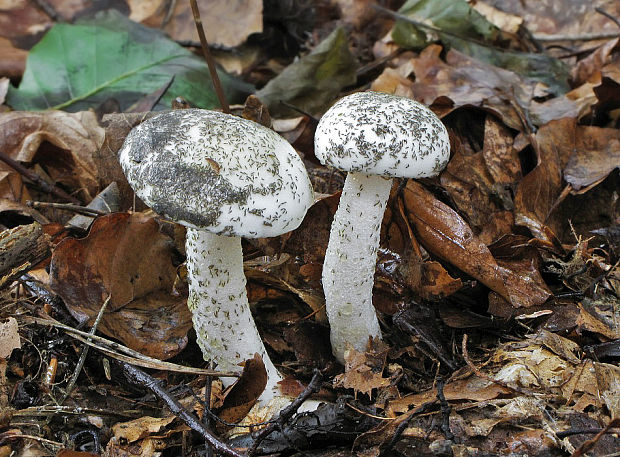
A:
(374, 137)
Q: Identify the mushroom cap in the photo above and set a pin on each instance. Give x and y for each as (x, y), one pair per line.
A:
(381, 134)
(217, 172)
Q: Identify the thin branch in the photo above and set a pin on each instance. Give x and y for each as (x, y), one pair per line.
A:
(481, 375)
(38, 180)
(405, 423)
(85, 347)
(139, 377)
(614, 19)
(132, 356)
(209, 58)
(79, 209)
(288, 412)
(581, 37)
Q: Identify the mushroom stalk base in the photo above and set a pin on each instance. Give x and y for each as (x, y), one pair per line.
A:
(350, 260)
(224, 325)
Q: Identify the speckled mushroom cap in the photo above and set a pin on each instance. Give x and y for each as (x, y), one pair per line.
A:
(382, 134)
(217, 172)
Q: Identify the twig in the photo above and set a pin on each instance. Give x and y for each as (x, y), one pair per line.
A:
(207, 407)
(586, 446)
(288, 412)
(85, 347)
(480, 374)
(49, 10)
(38, 180)
(51, 410)
(614, 19)
(405, 423)
(139, 377)
(582, 37)
(209, 58)
(12, 435)
(132, 356)
(445, 410)
(79, 209)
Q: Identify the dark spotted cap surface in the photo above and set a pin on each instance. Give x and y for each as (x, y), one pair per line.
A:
(382, 134)
(218, 172)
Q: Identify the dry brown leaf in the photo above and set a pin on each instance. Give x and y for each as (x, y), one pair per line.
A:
(472, 388)
(459, 81)
(590, 323)
(363, 371)
(226, 22)
(9, 337)
(12, 64)
(244, 393)
(568, 17)
(64, 144)
(125, 257)
(586, 154)
(589, 68)
(445, 234)
(140, 428)
(596, 153)
(21, 19)
(474, 189)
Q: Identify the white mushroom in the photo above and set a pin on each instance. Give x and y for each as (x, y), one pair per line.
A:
(374, 137)
(224, 178)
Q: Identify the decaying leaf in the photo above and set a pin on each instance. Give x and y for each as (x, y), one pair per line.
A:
(313, 82)
(479, 182)
(125, 257)
(9, 337)
(140, 428)
(227, 23)
(584, 155)
(459, 81)
(445, 234)
(363, 371)
(243, 394)
(64, 144)
(472, 388)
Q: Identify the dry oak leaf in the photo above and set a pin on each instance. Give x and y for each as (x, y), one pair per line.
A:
(445, 234)
(479, 181)
(583, 155)
(227, 22)
(64, 144)
(459, 81)
(362, 373)
(125, 257)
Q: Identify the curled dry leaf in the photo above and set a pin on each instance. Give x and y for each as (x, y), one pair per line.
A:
(126, 257)
(244, 393)
(64, 144)
(227, 23)
(363, 371)
(459, 81)
(445, 234)
(479, 182)
(583, 155)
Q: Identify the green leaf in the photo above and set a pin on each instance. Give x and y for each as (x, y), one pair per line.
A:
(312, 82)
(76, 67)
(455, 16)
(538, 67)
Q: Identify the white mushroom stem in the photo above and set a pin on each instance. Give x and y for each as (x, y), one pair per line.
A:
(350, 260)
(218, 300)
